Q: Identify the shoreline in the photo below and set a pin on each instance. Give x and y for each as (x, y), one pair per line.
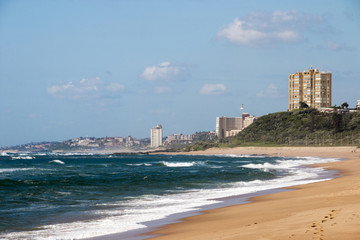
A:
(276, 215)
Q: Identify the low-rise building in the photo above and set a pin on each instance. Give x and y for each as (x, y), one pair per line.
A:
(232, 133)
(248, 121)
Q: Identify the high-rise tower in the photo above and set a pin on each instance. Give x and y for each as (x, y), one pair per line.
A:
(311, 87)
(156, 136)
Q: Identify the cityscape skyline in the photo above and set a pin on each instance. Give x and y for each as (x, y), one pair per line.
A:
(117, 68)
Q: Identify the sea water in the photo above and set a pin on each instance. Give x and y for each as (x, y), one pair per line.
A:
(74, 196)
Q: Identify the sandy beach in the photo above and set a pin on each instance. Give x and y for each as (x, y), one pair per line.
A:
(322, 210)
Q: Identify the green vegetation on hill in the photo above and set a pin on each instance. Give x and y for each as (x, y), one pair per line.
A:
(306, 127)
(198, 146)
(303, 127)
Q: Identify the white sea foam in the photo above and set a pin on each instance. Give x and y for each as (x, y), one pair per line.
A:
(41, 154)
(213, 166)
(289, 164)
(181, 164)
(72, 154)
(22, 157)
(57, 161)
(140, 164)
(6, 170)
(132, 214)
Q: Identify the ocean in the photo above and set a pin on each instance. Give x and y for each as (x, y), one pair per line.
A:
(75, 196)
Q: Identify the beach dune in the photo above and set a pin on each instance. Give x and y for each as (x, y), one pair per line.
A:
(322, 210)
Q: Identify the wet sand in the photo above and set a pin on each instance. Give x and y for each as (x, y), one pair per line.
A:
(322, 210)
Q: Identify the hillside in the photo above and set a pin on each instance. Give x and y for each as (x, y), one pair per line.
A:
(302, 127)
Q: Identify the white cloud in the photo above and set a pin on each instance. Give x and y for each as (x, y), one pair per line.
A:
(263, 29)
(164, 71)
(271, 91)
(84, 89)
(213, 89)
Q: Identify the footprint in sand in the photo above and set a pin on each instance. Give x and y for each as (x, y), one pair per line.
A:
(353, 217)
(317, 228)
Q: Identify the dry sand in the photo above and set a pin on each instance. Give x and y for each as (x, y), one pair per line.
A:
(323, 210)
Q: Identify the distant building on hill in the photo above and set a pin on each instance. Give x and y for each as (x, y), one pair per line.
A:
(230, 126)
(227, 126)
(179, 138)
(311, 87)
(248, 120)
(156, 136)
(357, 104)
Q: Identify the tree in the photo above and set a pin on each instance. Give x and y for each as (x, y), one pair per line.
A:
(303, 105)
(345, 105)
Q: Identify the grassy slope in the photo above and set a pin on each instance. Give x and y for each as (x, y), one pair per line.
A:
(302, 127)
(307, 127)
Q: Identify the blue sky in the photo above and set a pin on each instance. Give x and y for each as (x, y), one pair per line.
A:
(118, 68)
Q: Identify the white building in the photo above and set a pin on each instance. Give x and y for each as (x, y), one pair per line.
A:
(357, 104)
(156, 136)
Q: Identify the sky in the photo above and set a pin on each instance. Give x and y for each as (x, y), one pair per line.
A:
(71, 68)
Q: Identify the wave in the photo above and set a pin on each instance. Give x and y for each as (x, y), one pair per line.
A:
(22, 157)
(132, 213)
(57, 161)
(139, 164)
(180, 164)
(74, 154)
(289, 164)
(216, 166)
(6, 170)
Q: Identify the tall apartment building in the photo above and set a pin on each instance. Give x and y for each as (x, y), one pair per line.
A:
(311, 87)
(156, 136)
